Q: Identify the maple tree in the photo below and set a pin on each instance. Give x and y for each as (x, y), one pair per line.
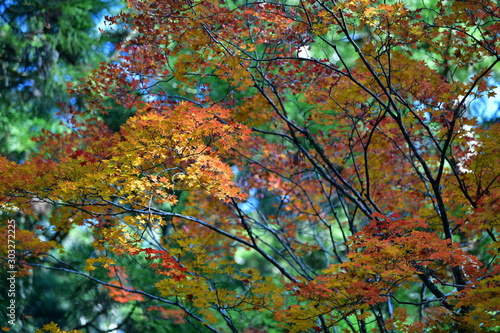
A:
(291, 166)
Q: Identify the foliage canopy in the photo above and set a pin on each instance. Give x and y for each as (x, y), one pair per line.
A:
(291, 166)
(44, 44)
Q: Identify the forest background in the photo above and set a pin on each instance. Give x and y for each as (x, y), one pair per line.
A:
(266, 166)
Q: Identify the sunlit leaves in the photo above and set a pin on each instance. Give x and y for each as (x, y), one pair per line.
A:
(53, 328)
(361, 199)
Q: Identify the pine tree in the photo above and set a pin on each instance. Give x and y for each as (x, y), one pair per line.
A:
(43, 45)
